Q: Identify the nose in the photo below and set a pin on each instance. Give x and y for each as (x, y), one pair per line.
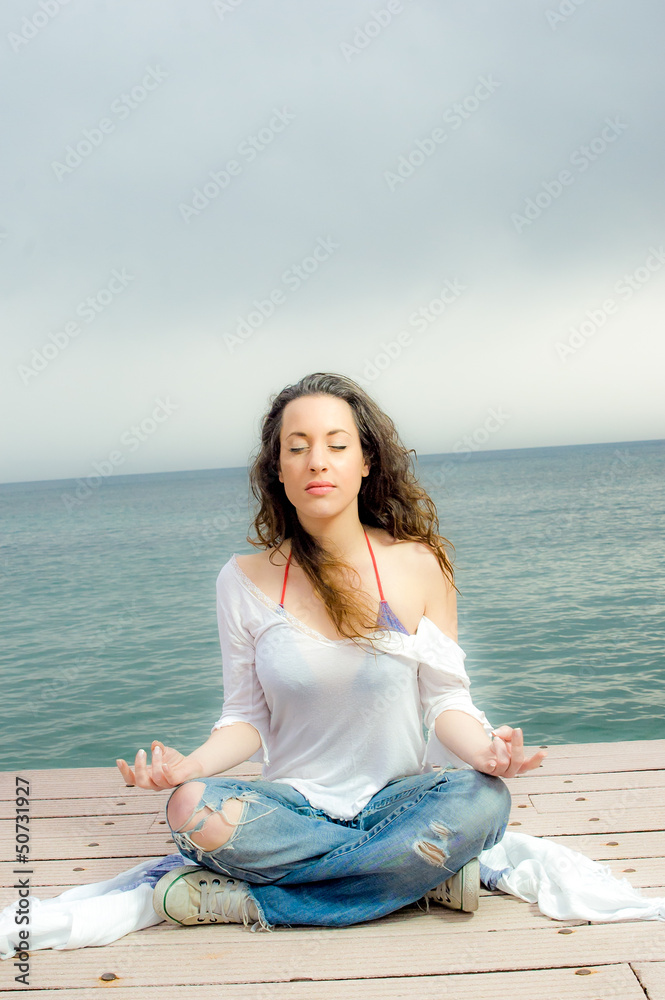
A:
(317, 457)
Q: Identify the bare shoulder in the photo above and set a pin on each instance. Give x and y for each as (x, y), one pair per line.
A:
(259, 567)
(413, 557)
(423, 569)
(426, 559)
(251, 561)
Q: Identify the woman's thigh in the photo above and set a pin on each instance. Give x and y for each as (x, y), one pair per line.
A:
(468, 801)
(277, 830)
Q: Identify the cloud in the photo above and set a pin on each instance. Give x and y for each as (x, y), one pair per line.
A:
(155, 101)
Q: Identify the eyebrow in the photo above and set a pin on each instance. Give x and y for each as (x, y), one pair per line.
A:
(338, 430)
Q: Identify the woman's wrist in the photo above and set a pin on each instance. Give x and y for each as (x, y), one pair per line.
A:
(197, 765)
(465, 736)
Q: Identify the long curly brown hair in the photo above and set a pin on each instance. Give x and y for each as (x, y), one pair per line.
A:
(390, 497)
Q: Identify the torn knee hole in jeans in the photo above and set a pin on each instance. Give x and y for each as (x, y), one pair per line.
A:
(212, 810)
(433, 853)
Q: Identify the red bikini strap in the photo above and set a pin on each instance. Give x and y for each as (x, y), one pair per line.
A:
(286, 573)
(378, 579)
(375, 568)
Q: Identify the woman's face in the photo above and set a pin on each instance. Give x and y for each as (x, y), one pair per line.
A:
(319, 442)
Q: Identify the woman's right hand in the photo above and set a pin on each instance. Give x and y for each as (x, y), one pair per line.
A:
(168, 768)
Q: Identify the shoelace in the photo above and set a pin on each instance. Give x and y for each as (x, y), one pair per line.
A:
(443, 891)
(227, 901)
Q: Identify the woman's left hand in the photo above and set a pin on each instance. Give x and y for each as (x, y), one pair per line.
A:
(505, 758)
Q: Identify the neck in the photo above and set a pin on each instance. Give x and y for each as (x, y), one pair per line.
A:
(343, 536)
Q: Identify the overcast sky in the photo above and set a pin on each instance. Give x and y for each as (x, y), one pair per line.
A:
(458, 204)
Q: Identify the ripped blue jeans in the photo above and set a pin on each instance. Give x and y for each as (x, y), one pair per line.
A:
(303, 866)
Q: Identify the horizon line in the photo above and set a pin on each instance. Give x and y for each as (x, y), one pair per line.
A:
(435, 454)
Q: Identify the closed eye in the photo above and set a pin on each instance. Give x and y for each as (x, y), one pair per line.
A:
(337, 447)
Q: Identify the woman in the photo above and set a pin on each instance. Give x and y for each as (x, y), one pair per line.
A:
(349, 820)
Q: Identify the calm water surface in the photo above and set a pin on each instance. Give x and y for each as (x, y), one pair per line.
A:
(109, 626)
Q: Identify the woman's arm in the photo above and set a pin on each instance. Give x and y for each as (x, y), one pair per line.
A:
(460, 732)
(502, 756)
(224, 749)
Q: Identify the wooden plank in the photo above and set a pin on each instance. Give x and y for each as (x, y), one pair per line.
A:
(520, 801)
(654, 891)
(616, 820)
(68, 782)
(70, 826)
(148, 845)
(85, 782)
(603, 847)
(536, 782)
(72, 872)
(148, 803)
(640, 872)
(611, 761)
(520, 809)
(631, 749)
(611, 799)
(564, 761)
(343, 953)
(604, 981)
(651, 975)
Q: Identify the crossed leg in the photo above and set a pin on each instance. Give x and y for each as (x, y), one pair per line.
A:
(304, 869)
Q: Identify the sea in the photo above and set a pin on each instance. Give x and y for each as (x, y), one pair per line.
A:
(108, 622)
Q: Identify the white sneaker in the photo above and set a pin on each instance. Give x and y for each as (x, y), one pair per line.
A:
(192, 895)
(461, 891)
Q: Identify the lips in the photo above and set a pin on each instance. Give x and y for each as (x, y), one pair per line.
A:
(319, 489)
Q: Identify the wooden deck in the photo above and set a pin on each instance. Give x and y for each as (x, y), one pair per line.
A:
(606, 800)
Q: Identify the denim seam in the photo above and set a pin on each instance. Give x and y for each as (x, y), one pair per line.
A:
(376, 829)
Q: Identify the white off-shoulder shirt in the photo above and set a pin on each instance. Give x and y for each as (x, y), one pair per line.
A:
(336, 721)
